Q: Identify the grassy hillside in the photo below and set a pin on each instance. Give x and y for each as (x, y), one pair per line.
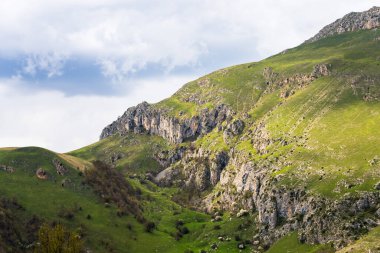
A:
(329, 126)
(76, 206)
(322, 135)
(242, 86)
(132, 153)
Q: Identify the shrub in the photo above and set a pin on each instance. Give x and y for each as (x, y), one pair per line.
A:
(58, 239)
(111, 186)
(217, 227)
(150, 226)
(185, 230)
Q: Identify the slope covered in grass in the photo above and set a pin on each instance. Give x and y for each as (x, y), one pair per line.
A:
(131, 153)
(329, 125)
(243, 85)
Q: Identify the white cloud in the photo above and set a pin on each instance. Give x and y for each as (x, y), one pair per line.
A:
(51, 63)
(128, 35)
(52, 120)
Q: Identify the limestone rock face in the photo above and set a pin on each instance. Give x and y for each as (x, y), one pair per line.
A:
(145, 118)
(195, 171)
(354, 21)
(61, 169)
(282, 210)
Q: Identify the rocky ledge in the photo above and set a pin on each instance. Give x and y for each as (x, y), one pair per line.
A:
(353, 21)
(145, 118)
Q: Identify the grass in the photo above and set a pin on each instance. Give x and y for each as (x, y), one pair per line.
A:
(291, 244)
(336, 135)
(242, 86)
(131, 153)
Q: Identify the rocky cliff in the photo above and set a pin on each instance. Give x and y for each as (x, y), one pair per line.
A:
(145, 118)
(354, 21)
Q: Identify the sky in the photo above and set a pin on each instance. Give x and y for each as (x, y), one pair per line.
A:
(68, 68)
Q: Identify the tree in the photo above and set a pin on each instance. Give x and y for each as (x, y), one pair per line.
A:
(58, 240)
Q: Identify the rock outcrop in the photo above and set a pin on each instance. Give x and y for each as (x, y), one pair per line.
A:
(354, 21)
(146, 118)
(61, 169)
(289, 85)
(7, 168)
(41, 174)
(197, 170)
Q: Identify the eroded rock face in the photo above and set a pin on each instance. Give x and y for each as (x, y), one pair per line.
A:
(290, 84)
(233, 129)
(145, 118)
(354, 21)
(61, 169)
(196, 171)
(281, 210)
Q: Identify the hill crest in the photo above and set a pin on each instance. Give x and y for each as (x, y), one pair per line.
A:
(351, 22)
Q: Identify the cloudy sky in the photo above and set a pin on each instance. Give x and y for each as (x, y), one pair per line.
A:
(70, 67)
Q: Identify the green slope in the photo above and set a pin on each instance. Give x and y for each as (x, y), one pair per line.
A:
(330, 125)
(330, 128)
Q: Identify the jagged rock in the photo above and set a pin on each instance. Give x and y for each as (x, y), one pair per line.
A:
(282, 210)
(168, 157)
(217, 165)
(41, 174)
(233, 129)
(60, 168)
(354, 21)
(320, 70)
(195, 170)
(297, 81)
(145, 118)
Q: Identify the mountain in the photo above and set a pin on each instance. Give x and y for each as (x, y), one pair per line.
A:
(281, 154)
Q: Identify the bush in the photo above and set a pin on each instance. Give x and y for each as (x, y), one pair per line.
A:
(150, 226)
(111, 186)
(217, 227)
(179, 223)
(185, 230)
(58, 239)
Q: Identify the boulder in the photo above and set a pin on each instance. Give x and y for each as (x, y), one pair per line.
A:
(41, 174)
